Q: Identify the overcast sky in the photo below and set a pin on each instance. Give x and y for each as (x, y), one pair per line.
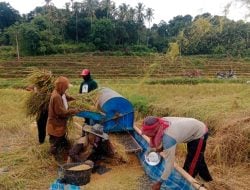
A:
(163, 9)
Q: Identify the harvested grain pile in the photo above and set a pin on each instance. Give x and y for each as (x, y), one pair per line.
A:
(79, 167)
(38, 100)
(121, 156)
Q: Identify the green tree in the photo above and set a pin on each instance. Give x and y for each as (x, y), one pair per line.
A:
(29, 39)
(140, 13)
(8, 15)
(195, 37)
(123, 12)
(149, 16)
(90, 7)
(177, 24)
(102, 34)
(13, 33)
(140, 21)
(108, 6)
(76, 7)
(131, 14)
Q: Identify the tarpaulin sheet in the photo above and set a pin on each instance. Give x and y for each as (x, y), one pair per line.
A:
(174, 182)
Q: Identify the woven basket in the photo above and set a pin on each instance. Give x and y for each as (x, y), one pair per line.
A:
(79, 178)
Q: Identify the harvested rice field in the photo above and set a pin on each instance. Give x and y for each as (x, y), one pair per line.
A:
(223, 106)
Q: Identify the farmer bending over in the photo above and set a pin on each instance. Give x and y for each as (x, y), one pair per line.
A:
(165, 133)
(58, 116)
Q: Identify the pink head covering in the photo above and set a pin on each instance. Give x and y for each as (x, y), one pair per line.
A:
(154, 128)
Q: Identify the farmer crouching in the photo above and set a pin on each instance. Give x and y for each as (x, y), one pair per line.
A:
(92, 147)
(165, 133)
(58, 116)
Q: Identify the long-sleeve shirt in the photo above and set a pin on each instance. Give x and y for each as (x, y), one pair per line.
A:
(180, 130)
(58, 114)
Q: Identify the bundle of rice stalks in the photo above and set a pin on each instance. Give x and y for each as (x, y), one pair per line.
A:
(42, 79)
(38, 100)
(87, 101)
(36, 104)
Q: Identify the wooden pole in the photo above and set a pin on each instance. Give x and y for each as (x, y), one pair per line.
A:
(17, 47)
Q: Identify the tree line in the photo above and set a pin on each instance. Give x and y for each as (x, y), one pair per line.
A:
(93, 25)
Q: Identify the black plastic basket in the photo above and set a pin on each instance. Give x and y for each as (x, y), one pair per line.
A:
(81, 177)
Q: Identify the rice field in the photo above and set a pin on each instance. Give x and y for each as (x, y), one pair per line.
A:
(224, 107)
(117, 67)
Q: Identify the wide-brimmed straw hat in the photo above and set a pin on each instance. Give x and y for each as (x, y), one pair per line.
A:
(97, 130)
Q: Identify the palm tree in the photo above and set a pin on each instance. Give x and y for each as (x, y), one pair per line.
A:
(149, 17)
(123, 11)
(48, 7)
(67, 6)
(139, 13)
(140, 19)
(61, 19)
(107, 5)
(90, 7)
(76, 7)
(48, 2)
(131, 14)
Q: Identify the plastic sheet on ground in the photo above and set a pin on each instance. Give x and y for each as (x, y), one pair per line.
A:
(175, 180)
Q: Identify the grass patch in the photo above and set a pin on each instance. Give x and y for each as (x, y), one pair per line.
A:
(194, 81)
(12, 115)
(12, 83)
